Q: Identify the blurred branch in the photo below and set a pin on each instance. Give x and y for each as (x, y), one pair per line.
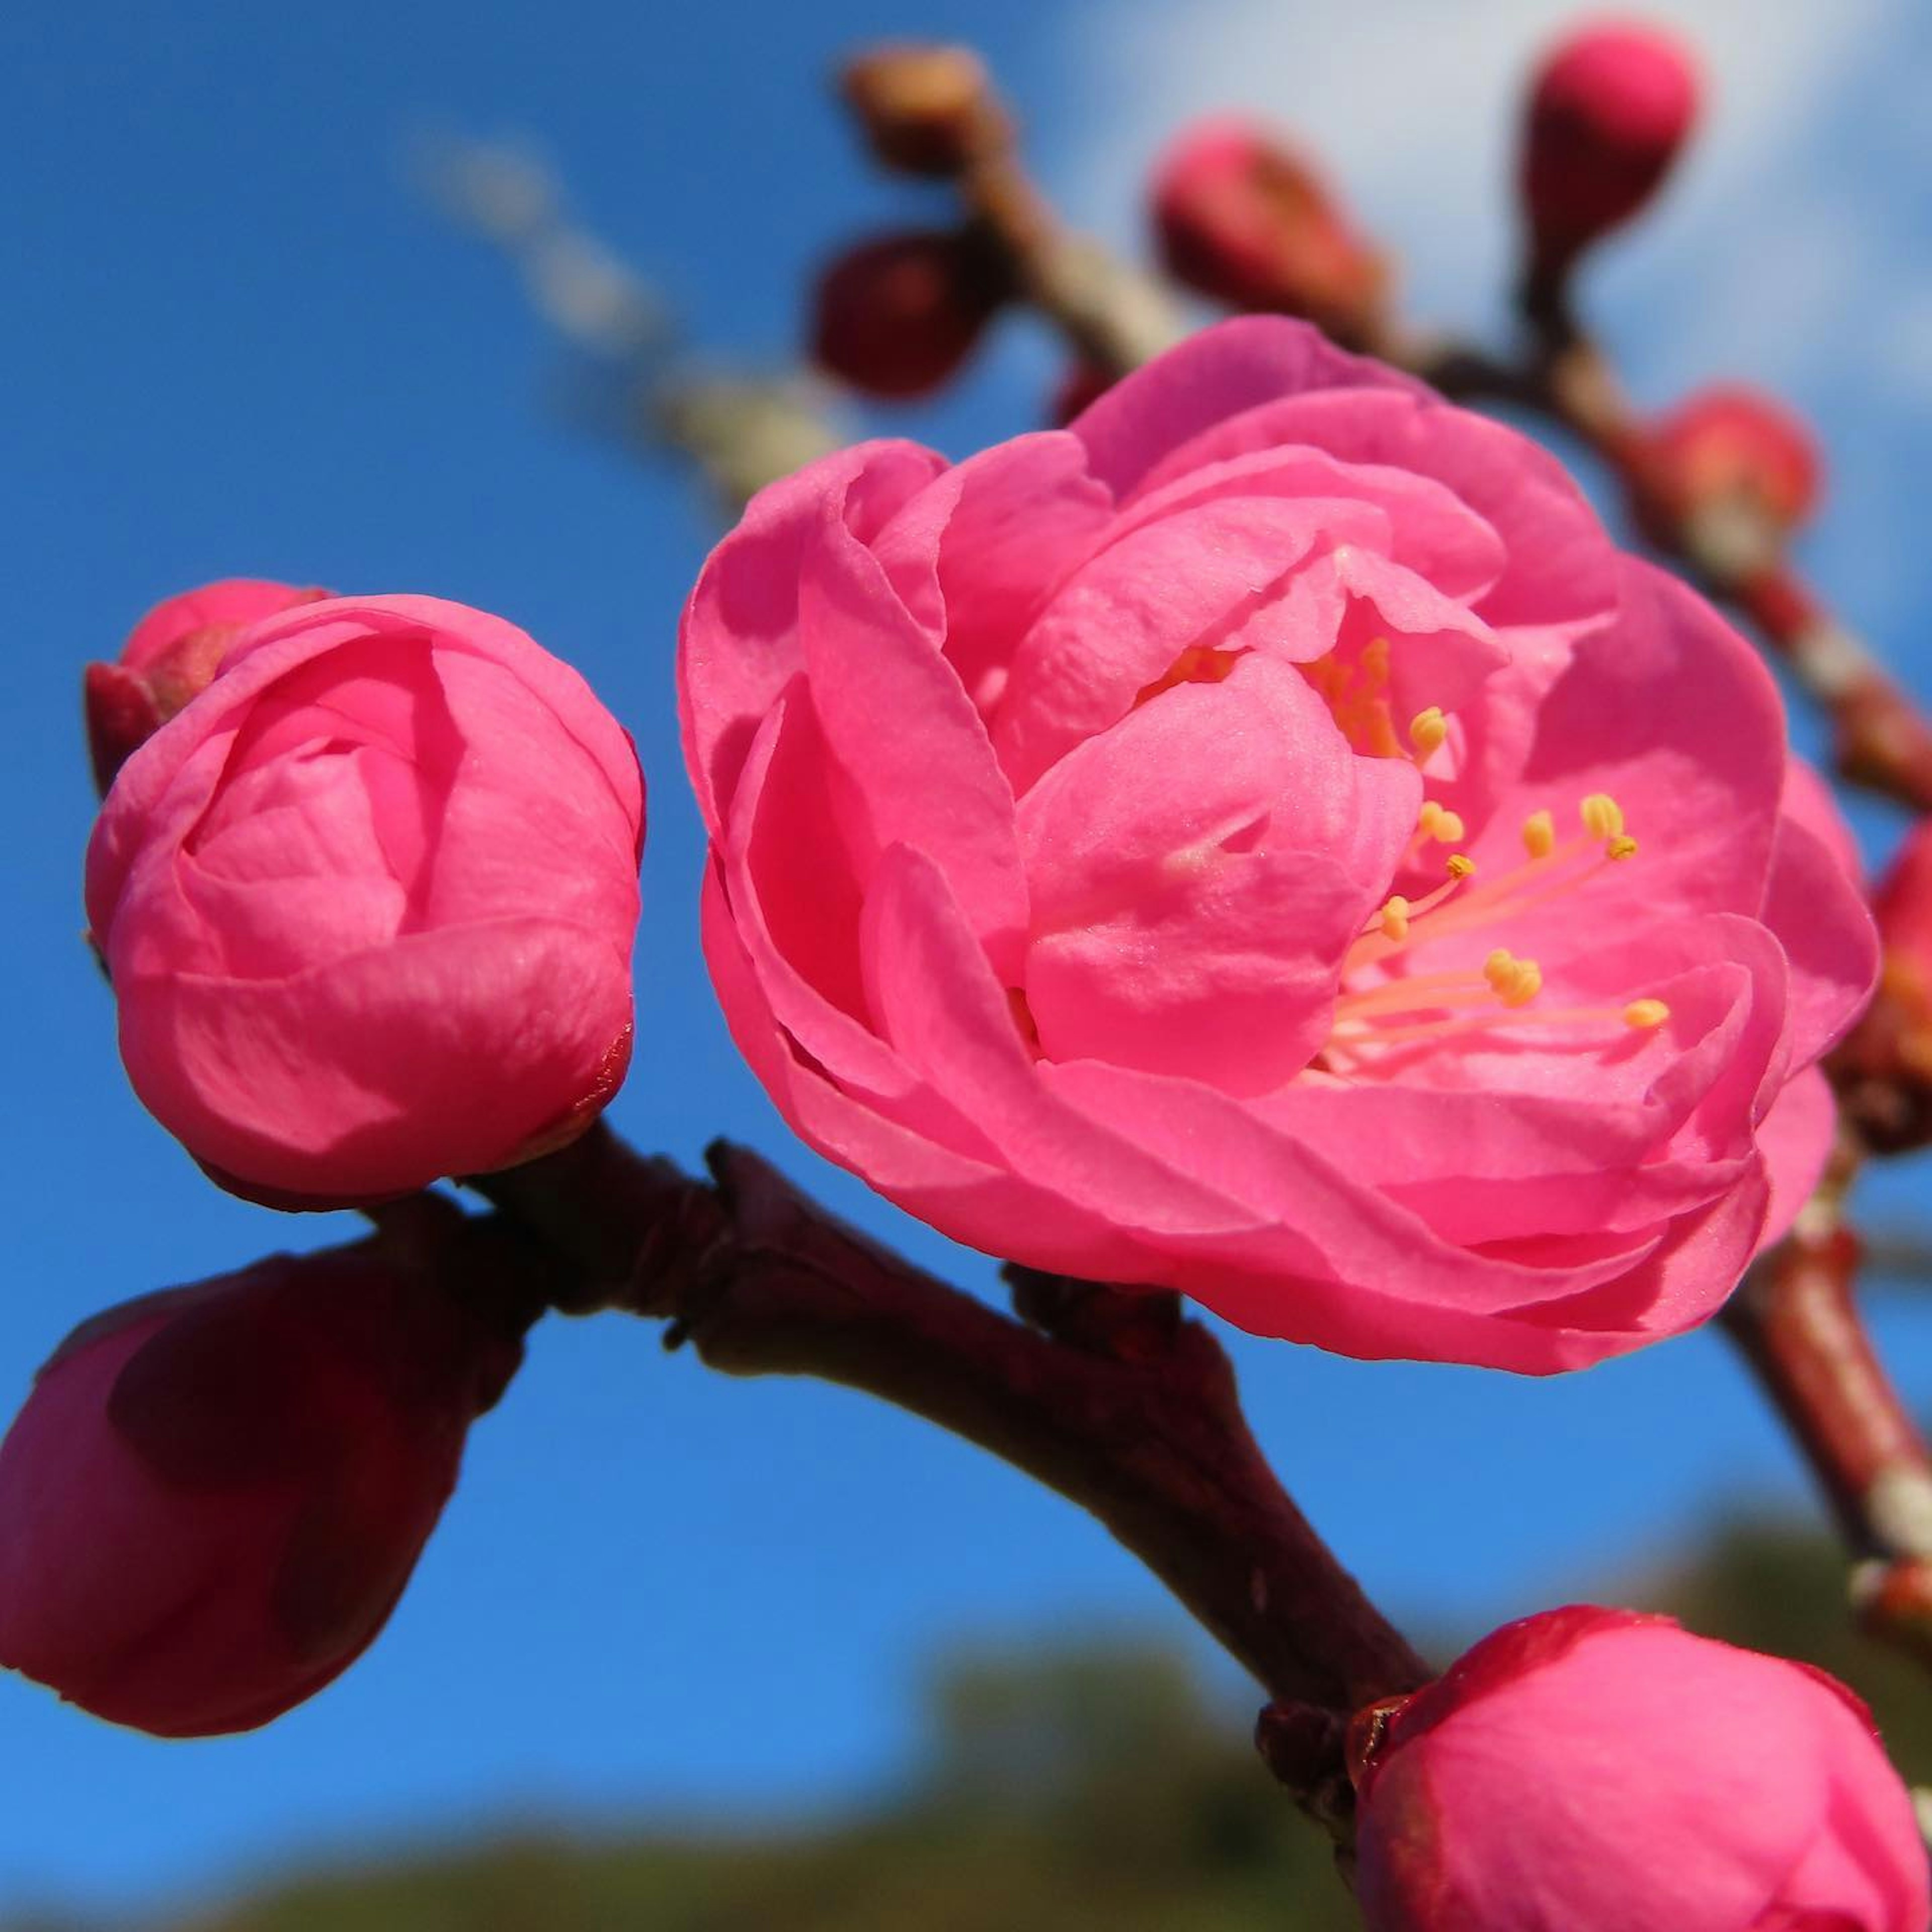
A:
(1796, 1320)
(741, 431)
(1119, 1402)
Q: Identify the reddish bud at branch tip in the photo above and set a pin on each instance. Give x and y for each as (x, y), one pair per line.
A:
(925, 110)
(171, 657)
(1610, 109)
(215, 1495)
(896, 316)
(1241, 218)
(1729, 447)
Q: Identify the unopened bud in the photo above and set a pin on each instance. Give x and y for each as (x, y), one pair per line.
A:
(215, 1495)
(172, 657)
(925, 110)
(1730, 450)
(1242, 217)
(1610, 109)
(1083, 386)
(897, 315)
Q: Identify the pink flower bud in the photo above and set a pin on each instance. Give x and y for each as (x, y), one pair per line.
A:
(215, 1495)
(1731, 445)
(1609, 110)
(1243, 218)
(173, 654)
(897, 315)
(368, 904)
(1595, 1770)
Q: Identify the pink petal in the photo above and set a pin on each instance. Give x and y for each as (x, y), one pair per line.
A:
(899, 726)
(1213, 375)
(976, 552)
(738, 641)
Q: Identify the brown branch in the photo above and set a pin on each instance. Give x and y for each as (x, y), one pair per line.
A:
(1796, 1320)
(1121, 1404)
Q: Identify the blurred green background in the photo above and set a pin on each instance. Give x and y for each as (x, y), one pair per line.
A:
(1099, 1785)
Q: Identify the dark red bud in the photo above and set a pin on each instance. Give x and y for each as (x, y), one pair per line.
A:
(215, 1495)
(897, 315)
(1080, 388)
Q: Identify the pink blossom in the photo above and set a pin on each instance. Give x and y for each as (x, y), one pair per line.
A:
(1088, 827)
(367, 903)
(215, 1495)
(1594, 1771)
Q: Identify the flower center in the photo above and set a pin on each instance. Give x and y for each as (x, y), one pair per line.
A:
(1377, 1009)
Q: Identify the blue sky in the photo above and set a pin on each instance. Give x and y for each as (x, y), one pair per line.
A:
(237, 344)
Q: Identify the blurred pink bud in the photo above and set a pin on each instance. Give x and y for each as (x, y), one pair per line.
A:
(1601, 1772)
(174, 652)
(1610, 109)
(1729, 444)
(1243, 218)
(215, 1495)
(368, 905)
(896, 316)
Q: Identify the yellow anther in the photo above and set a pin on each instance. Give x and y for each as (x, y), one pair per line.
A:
(1433, 822)
(1642, 1015)
(1622, 847)
(1427, 730)
(1395, 917)
(1524, 985)
(1539, 835)
(1515, 982)
(1460, 866)
(1602, 817)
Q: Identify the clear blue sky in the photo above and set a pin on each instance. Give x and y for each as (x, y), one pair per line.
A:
(235, 344)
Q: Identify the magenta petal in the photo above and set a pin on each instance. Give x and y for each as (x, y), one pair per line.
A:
(976, 553)
(738, 641)
(1819, 914)
(1210, 377)
(1120, 623)
(901, 729)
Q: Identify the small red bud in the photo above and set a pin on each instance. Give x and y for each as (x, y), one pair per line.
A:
(1243, 218)
(897, 315)
(1731, 446)
(1080, 388)
(172, 657)
(1610, 109)
(215, 1495)
(925, 110)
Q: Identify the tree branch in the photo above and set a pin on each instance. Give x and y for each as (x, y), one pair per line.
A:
(1796, 1320)
(1127, 1407)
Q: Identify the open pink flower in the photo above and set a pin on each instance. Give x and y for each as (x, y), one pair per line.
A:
(367, 903)
(1265, 840)
(1595, 1770)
